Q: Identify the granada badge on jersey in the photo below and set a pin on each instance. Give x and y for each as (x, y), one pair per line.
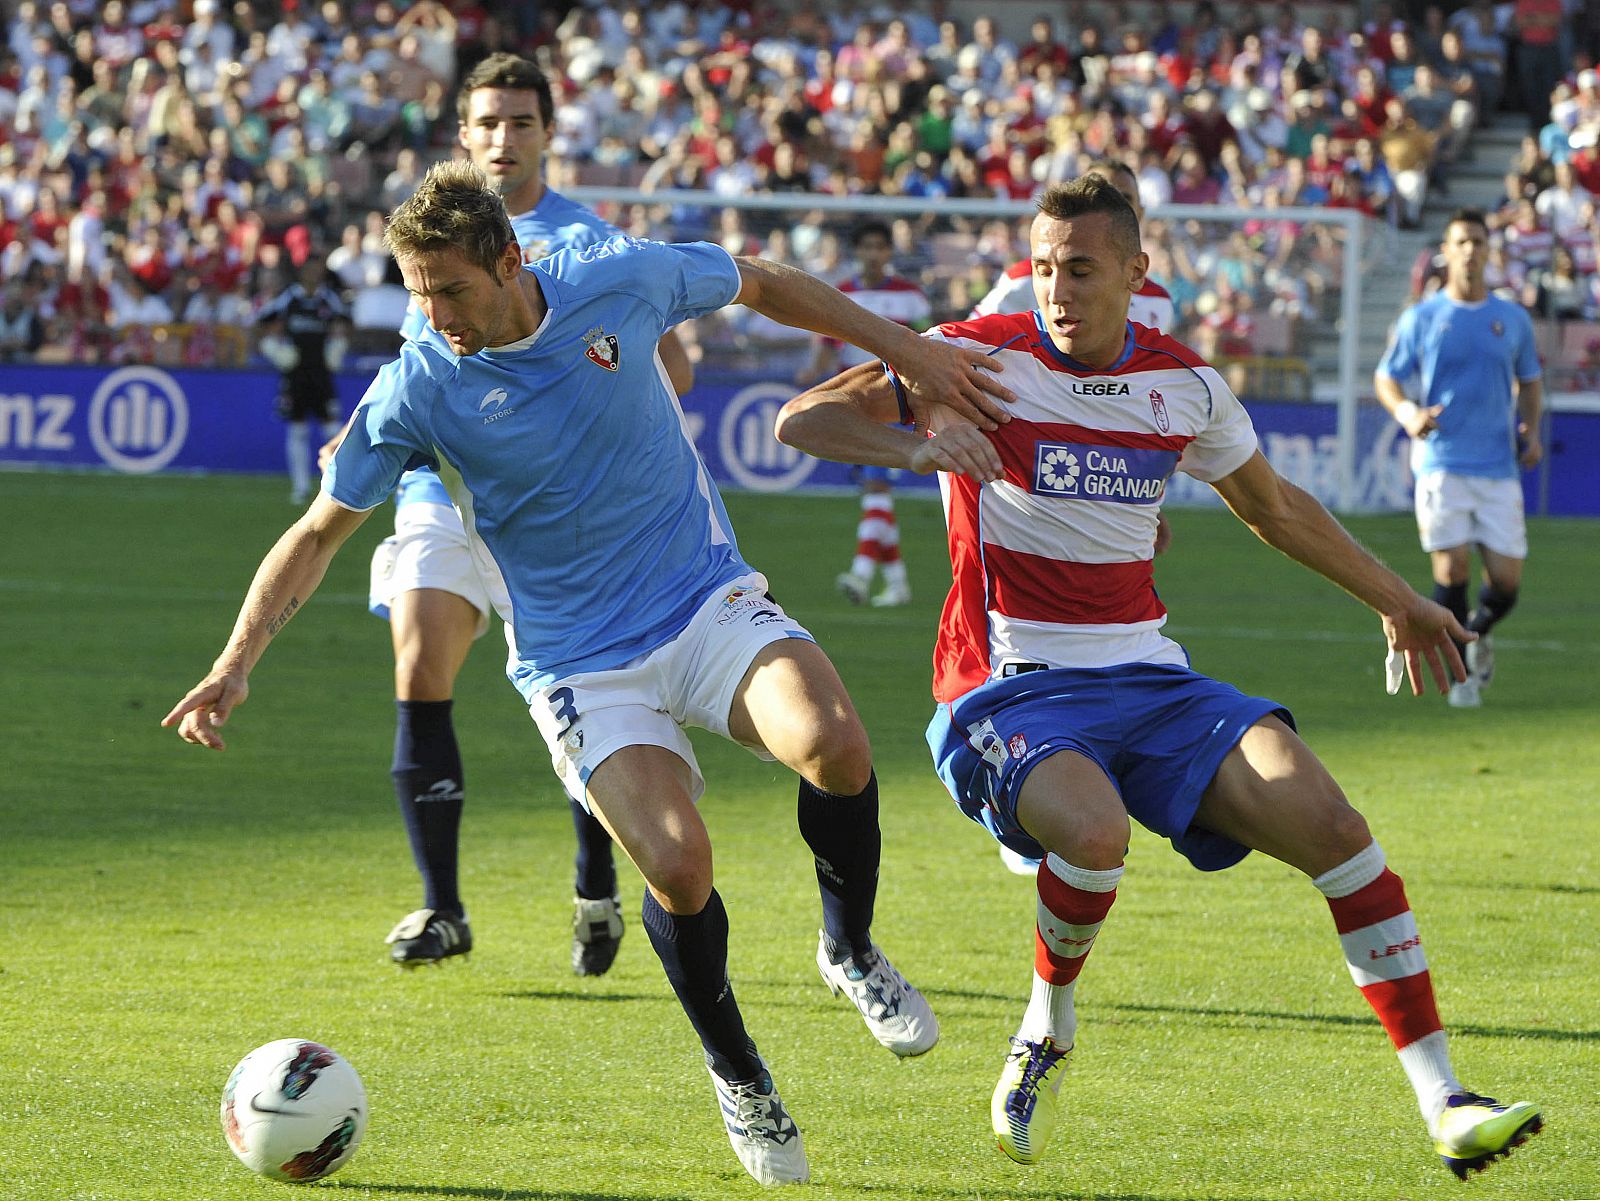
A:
(1159, 408)
(602, 350)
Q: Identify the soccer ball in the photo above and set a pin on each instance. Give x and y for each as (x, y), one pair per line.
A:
(294, 1110)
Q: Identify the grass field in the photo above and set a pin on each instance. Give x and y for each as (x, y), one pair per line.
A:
(165, 910)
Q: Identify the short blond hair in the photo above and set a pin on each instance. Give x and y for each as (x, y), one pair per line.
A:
(453, 208)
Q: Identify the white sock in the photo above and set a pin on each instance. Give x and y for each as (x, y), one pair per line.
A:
(297, 448)
(1051, 1013)
(1427, 1065)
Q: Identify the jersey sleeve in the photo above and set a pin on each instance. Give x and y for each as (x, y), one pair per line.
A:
(383, 442)
(1228, 439)
(1527, 364)
(680, 280)
(1399, 362)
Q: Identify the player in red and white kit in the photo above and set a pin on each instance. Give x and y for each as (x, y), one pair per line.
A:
(1151, 306)
(878, 290)
(1064, 711)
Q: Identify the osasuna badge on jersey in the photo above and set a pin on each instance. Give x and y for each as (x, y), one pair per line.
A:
(602, 350)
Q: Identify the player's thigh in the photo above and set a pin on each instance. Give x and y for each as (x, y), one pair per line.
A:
(432, 632)
(1451, 566)
(1069, 806)
(642, 794)
(1444, 512)
(792, 704)
(1273, 795)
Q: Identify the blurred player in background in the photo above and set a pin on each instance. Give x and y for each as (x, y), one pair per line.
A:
(633, 613)
(1472, 358)
(436, 592)
(879, 291)
(304, 331)
(1064, 712)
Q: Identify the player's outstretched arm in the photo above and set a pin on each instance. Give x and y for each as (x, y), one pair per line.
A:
(1292, 520)
(934, 372)
(850, 419)
(283, 583)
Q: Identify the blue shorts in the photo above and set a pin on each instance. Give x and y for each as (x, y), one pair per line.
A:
(1158, 732)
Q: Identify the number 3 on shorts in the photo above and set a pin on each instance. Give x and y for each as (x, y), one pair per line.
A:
(561, 704)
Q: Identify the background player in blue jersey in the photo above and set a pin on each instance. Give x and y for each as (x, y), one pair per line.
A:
(1471, 358)
(1065, 714)
(436, 599)
(633, 613)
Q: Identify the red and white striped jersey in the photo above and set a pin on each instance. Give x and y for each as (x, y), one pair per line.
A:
(1052, 563)
(1013, 293)
(894, 298)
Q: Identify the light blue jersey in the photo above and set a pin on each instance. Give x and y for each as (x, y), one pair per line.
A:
(584, 483)
(1466, 357)
(555, 223)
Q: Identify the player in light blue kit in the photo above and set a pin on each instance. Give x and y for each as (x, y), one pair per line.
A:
(1473, 357)
(425, 582)
(633, 613)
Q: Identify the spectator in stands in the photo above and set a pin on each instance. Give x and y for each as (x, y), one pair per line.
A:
(1557, 291)
(1565, 207)
(21, 330)
(1539, 64)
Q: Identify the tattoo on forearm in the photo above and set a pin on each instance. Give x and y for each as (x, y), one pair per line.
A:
(282, 619)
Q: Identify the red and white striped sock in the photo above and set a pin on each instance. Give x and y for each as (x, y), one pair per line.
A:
(875, 532)
(1385, 957)
(1073, 902)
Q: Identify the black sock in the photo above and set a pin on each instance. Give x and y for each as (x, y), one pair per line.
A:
(429, 786)
(1492, 606)
(1454, 598)
(842, 832)
(595, 869)
(694, 952)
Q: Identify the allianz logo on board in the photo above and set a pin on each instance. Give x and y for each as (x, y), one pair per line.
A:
(137, 421)
(752, 455)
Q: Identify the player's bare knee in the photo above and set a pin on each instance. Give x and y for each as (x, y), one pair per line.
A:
(680, 876)
(837, 758)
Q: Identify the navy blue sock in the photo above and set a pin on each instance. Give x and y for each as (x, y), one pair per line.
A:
(595, 871)
(429, 785)
(1492, 606)
(694, 952)
(842, 832)
(1454, 598)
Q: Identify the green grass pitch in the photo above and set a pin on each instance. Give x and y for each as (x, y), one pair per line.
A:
(163, 910)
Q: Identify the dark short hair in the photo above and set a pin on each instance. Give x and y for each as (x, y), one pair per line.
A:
(511, 72)
(870, 229)
(1094, 194)
(453, 208)
(1466, 216)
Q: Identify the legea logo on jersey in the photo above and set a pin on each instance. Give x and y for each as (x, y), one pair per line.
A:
(1122, 475)
(138, 419)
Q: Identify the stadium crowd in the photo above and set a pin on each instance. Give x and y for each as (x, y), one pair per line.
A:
(165, 166)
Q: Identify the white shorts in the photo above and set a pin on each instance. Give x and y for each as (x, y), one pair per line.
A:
(1460, 510)
(690, 681)
(429, 549)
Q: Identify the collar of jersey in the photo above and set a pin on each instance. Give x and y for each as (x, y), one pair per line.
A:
(521, 344)
(1066, 360)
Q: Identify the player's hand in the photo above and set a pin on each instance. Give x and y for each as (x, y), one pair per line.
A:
(1532, 448)
(1423, 422)
(937, 373)
(961, 448)
(1163, 533)
(203, 711)
(1426, 631)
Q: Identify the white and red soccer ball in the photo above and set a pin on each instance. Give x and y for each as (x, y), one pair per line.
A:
(294, 1110)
